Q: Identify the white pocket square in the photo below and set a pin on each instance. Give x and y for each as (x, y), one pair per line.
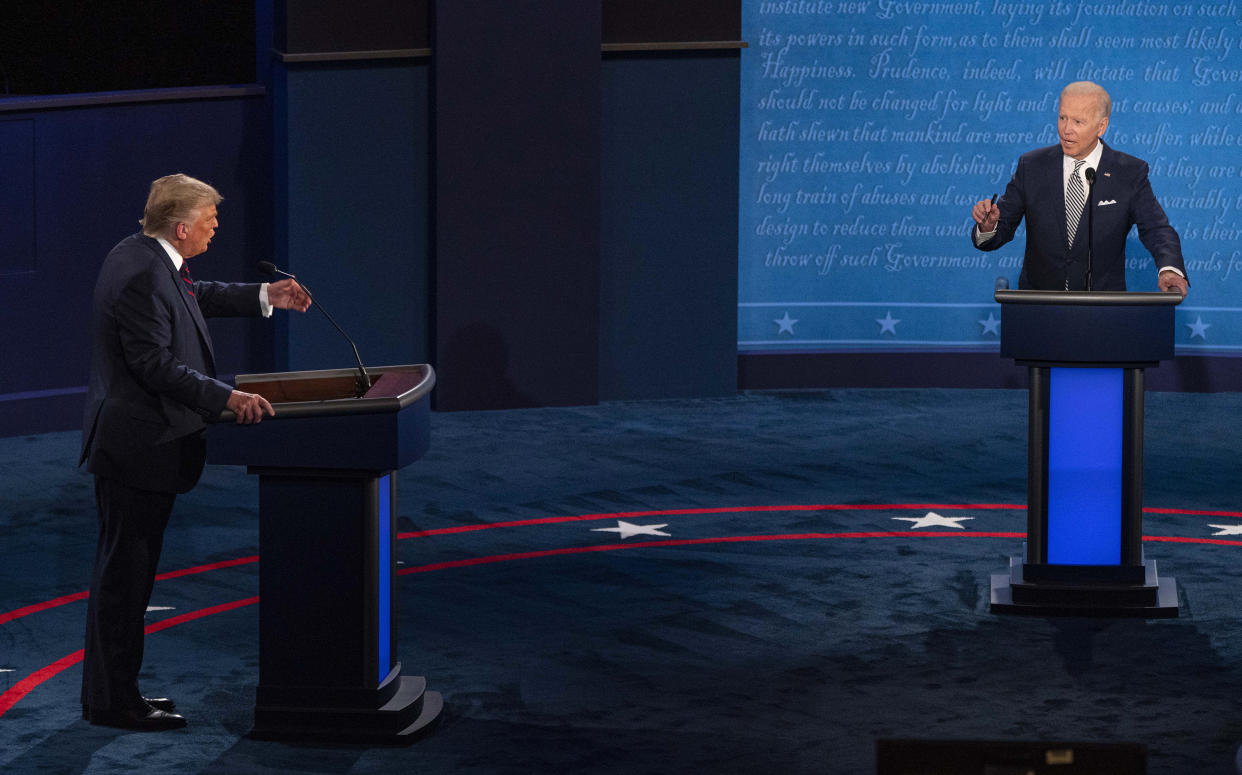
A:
(1102, 202)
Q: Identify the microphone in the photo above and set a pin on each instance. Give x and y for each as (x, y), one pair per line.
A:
(1002, 283)
(364, 380)
(1090, 173)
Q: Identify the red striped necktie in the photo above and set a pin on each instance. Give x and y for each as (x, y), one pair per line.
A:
(185, 275)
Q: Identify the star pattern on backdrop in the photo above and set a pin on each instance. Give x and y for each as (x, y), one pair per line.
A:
(1227, 530)
(1198, 328)
(626, 529)
(990, 326)
(786, 324)
(932, 519)
(888, 324)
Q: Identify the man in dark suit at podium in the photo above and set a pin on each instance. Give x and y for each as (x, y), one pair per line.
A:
(152, 387)
(1051, 189)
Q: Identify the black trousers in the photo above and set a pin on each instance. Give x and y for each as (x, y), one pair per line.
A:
(131, 534)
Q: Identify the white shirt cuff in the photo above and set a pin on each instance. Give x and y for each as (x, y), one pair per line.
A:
(982, 237)
(264, 305)
(1174, 270)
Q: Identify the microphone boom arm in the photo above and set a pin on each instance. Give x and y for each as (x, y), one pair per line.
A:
(364, 379)
(1090, 173)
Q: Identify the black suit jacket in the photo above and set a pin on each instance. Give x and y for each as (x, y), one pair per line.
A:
(1122, 198)
(152, 383)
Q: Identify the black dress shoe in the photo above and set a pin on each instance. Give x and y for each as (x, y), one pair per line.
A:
(155, 720)
(159, 703)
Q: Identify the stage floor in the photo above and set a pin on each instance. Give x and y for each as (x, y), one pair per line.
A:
(763, 583)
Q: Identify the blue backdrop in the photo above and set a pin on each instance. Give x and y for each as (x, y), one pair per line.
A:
(869, 128)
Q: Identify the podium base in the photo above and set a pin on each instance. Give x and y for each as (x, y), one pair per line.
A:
(410, 715)
(1154, 598)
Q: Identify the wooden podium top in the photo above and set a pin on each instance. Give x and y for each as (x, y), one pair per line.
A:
(334, 391)
(321, 425)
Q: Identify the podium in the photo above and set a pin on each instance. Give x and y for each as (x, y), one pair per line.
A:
(1086, 352)
(328, 668)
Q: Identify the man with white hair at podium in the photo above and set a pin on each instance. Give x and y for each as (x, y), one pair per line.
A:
(1074, 190)
(152, 388)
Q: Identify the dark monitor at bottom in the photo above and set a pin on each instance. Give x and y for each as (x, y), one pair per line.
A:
(1008, 757)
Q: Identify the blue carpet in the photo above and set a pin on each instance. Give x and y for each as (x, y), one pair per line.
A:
(779, 610)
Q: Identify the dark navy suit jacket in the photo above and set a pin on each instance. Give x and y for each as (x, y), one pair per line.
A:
(152, 383)
(1122, 198)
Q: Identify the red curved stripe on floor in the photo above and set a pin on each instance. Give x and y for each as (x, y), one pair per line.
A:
(736, 539)
(693, 541)
(65, 599)
(745, 509)
(34, 608)
(1194, 512)
(713, 510)
(1186, 540)
(173, 621)
(30, 682)
(172, 574)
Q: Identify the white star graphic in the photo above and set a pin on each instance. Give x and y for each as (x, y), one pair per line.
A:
(1198, 328)
(932, 519)
(990, 326)
(1227, 530)
(626, 529)
(888, 323)
(786, 324)
(7, 670)
(151, 608)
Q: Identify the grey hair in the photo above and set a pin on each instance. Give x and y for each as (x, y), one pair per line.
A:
(1087, 88)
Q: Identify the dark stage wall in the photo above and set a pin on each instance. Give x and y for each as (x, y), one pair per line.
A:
(613, 273)
(329, 168)
(83, 171)
(668, 235)
(352, 202)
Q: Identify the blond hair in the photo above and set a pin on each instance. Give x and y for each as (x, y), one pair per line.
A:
(175, 199)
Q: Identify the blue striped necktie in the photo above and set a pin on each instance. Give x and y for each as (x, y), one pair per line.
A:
(185, 275)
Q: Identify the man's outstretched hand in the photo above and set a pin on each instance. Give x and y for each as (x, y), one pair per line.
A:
(287, 294)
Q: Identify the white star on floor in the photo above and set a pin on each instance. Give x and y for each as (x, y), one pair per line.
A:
(990, 326)
(626, 529)
(1198, 328)
(887, 323)
(932, 519)
(786, 324)
(1227, 530)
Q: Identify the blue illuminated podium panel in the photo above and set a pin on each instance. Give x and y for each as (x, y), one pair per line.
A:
(1085, 412)
(1086, 353)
